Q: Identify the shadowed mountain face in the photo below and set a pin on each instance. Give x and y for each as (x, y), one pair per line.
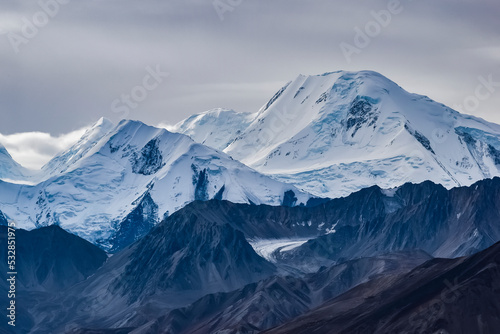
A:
(183, 258)
(191, 251)
(51, 259)
(440, 296)
(263, 221)
(272, 301)
(443, 223)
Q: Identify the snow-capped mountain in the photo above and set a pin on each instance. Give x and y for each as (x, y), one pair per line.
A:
(336, 133)
(113, 186)
(10, 169)
(220, 127)
(63, 161)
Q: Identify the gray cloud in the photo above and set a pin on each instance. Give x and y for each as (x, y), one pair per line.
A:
(92, 52)
(34, 149)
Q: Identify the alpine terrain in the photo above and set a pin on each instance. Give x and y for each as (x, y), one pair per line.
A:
(339, 132)
(116, 183)
(344, 205)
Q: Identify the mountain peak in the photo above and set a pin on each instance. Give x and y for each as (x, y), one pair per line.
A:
(132, 127)
(113, 185)
(131, 123)
(103, 122)
(337, 132)
(361, 76)
(220, 126)
(68, 158)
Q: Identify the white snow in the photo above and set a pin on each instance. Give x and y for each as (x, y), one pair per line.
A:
(216, 128)
(309, 137)
(331, 229)
(266, 247)
(390, 192)
(19, 181)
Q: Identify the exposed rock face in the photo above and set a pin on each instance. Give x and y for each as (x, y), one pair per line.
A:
(137, 224)
(443, 223)
(149, 160)
(361, 113)
(200, 181)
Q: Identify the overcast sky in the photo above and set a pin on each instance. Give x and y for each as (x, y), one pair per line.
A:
(74, 68)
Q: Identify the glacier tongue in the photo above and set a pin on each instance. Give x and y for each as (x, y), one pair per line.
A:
(267, 247)
(339, 132)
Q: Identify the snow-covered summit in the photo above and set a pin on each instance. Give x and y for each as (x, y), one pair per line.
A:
(68, 158)
(216, 128)
(338, 132)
